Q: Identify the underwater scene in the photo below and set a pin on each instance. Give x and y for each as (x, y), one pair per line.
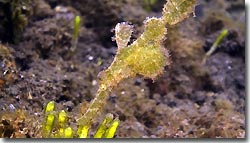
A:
(122, 69)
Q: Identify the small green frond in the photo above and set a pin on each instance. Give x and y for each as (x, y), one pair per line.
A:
(77, 23)
(222, 35)
(218, 40)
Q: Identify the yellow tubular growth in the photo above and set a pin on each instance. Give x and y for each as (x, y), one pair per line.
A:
(62, 117)
(145, 56)
(50, 107)
(110, 133)
(49, 124)
(60, 133)
(83, 131)
(103, 127)
(68, 133)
